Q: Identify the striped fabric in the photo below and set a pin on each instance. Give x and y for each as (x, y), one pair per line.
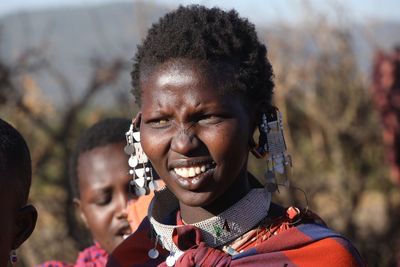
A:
(93, 256)
(303, 244)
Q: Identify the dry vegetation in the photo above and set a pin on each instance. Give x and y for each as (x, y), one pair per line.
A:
(332, 130)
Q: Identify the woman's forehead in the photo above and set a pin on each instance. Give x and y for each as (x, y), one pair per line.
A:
(174, 77)
(180, 68)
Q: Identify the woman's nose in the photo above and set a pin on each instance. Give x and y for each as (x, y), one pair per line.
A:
(184, 142)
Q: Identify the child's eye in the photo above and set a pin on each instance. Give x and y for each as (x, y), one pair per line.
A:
(103, 200)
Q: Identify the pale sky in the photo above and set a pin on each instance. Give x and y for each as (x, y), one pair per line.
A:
(260, 11)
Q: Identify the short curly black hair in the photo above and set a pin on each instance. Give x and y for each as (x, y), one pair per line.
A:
(211, 35)
(15, 162)
(105, 132)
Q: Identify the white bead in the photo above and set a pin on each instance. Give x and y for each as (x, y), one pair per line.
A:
(139, 172)
(140, 181)
(136, 135)
(133, 162)
(170, 261)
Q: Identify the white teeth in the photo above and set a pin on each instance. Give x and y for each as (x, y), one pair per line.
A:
(191, 171)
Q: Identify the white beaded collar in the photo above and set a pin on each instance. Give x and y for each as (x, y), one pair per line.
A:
(243, 216)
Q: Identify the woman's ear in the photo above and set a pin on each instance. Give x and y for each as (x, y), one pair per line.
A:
(25, 224)
(257, 148)
(257, 114)
(255, 119)
(136, 121)
(78, 207)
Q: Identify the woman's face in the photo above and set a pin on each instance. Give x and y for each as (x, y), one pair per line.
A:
(196, 137)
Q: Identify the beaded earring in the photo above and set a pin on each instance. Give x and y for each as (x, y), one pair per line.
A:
(142, 174)
(13, 257)
(272, 143)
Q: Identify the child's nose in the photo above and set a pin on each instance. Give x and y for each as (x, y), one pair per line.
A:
(122, 210)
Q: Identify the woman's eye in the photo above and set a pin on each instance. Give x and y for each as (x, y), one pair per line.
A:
(211, 119)
(159, 123)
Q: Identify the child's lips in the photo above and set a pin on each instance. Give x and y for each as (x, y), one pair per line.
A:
(124, 231)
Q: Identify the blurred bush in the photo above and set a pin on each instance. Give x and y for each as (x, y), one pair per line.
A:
(334, 135)
(332, 129)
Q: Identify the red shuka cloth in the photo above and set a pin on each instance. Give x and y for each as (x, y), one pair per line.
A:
(304, 243)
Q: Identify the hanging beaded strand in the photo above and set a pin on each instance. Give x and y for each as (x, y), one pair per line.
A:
(279, 161)
(142, 175)
(272, 143)
(13, 257)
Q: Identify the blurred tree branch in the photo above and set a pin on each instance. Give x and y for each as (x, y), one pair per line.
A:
(17, 85)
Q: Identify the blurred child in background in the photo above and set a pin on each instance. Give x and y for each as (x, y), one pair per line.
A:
(99, 177)
(18, 218)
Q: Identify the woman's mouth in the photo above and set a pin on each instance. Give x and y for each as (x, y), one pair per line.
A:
(192, 171)
(193, 176)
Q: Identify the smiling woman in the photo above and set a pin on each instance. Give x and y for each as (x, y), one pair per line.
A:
(204, 84)
(195, 137)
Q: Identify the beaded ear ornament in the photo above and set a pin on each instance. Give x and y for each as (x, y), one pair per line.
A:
(13, 257)
(272, 143)
(140, 167)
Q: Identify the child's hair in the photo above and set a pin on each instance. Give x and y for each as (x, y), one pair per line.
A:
(105, 132)
(213, 36)
(15, 161)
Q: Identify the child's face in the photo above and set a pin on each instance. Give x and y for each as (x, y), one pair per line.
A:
(196, 137)
(103, 186)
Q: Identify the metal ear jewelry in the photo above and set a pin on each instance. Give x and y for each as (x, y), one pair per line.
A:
(272, 142)
(13, 257)
(142, 174)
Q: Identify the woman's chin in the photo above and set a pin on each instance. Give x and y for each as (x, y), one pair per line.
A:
(195, 199)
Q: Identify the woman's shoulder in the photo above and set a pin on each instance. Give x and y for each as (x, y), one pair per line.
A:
(300, 237)
(312, 244)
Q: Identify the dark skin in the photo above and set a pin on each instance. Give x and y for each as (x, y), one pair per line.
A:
(197, 136)
(103, 186)
(19, 220)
